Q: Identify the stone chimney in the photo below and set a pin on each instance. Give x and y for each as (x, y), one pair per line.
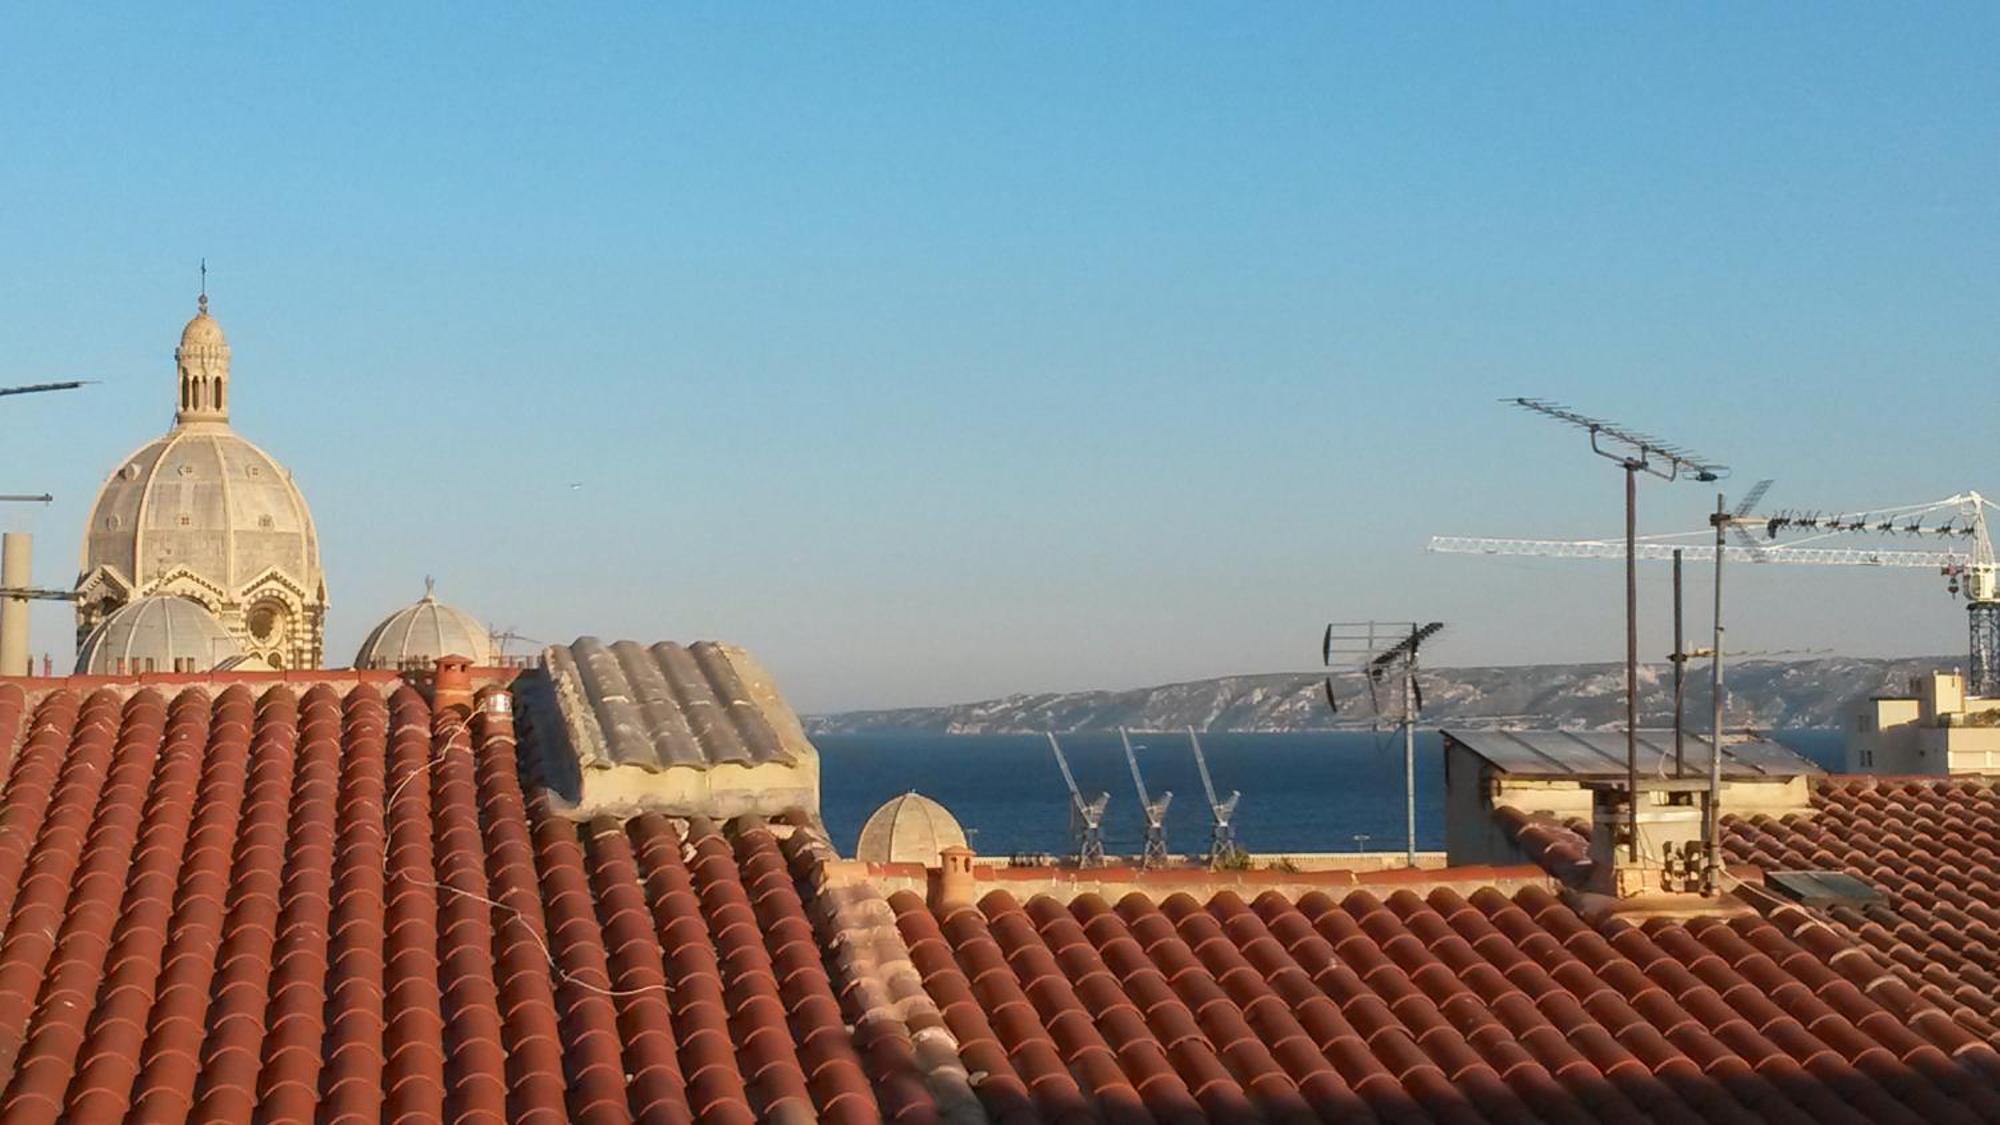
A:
(952, 881)
(15, 573)
(451, 684)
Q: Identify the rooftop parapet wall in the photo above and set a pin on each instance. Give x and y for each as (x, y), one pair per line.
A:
(696, 730)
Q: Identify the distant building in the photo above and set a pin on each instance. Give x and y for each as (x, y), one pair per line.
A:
(1936, 729)
(203, 514)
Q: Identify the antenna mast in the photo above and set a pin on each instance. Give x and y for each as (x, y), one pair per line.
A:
(1382, 649)
(1086, 818)
(1155, 851)
(1636, 453)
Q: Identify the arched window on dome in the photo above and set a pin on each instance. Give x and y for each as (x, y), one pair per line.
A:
(218, 394)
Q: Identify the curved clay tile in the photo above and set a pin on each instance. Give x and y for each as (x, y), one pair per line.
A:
(589, 1021)
(715, 1090)
(178, 1022)
(475, 1059)
(530, 1031)
(412, 1043)
(108, 1058)
(350, 1078)
(293, 1049)
(56, 1027)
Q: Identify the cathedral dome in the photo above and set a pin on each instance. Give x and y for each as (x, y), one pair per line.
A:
(161, 633)
(202, 513)
(414, 637)
(911, 828)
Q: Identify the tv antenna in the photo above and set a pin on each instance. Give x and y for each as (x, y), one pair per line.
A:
(1154, 854)
(1222, 847)
(1086, 818)
(1636, 453)
(1381, 650)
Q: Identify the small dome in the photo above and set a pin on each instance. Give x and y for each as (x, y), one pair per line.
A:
(911, 828)
(413, 637)
(203, 331)
(162, 633)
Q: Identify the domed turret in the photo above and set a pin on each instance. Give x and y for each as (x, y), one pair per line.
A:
(413, 637)
(911, 828)
(161, 633)
(203, 364)
(202, 513)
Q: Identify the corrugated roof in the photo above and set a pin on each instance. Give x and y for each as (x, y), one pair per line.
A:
(1601, 754)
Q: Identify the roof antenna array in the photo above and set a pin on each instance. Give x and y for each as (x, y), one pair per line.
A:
(1380, 650)
(1154, 854)
(1086, 818)
(1223, 850)
(1636, 453)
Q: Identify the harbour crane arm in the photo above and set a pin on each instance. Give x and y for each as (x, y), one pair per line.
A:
(1069, 779)
(1201, 763)
(1132, 760)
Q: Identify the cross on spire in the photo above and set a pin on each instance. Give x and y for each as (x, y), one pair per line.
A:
(202, 302)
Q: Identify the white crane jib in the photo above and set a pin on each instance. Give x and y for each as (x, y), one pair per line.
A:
(1956, 528)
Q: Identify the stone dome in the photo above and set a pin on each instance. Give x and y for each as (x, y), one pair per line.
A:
(202, 513)
(911, 828)
(162, 633)
(203, 331)
(414, 637)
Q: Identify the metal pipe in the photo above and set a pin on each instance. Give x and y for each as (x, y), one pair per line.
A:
(1680, 671)
(1410, 757)
(1632, 658)
(1712, 837)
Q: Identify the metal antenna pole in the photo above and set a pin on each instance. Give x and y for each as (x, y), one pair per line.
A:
(1632, 656)
(1634, 452)
(1714, 825)
(1680, 671)
(1410, 754)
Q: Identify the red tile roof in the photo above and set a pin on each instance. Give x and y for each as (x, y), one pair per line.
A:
(270, 906)
(291, 900)
(1932, 847)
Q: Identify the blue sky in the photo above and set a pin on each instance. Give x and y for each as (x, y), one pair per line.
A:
(937, 353)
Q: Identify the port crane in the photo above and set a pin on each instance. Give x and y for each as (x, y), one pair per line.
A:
(1086, 817)
(1154, 854)
(1222, 846)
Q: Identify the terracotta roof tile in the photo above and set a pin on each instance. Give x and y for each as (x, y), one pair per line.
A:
(281, 900)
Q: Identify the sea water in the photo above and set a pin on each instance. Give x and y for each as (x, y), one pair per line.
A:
(1307, 792)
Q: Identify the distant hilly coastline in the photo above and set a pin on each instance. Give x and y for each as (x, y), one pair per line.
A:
(1762, 694)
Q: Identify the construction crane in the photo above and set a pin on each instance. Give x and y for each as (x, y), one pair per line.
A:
(1222, 848)
(1086, 818)
(1154, 854)
(1962, 553)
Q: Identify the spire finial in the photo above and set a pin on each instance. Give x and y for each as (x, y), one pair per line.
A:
(430, 587)
(201, 303)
